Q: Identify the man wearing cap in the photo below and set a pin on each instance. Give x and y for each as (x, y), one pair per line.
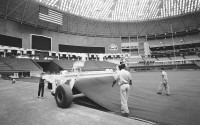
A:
(164, 83)
(124, 80)
(41, 86)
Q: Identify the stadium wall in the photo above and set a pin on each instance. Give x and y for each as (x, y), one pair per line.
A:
(11, 28)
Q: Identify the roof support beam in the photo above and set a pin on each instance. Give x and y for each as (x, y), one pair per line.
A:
(68, 24)
(36, 22)
(95, 32)
(196, 19)
(37, 18)
(145, 26)
(74, 24)
(31, 14)
(129, 33)
(110, 30)
(64, 21)
(87, 28)
(78, 27)
(7, 8)
(47, 26)
(15, 8)
(105, 29)
(93, 29)
(164, 31)
(24, 11)
(83, 24)
(119, 29)
(87, 32)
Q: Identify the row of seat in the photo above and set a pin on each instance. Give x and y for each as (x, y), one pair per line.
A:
(148, 59)
(176, 40)
(18, 64)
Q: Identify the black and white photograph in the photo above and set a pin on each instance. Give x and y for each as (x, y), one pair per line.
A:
(99, 62)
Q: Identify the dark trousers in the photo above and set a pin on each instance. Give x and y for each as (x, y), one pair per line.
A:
(41, 88)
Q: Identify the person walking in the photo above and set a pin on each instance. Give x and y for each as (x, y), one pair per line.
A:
(164, 83)
(124, 79)
(41, 86)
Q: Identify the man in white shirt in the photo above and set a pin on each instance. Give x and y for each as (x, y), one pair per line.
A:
(124, 80)
(164, 83)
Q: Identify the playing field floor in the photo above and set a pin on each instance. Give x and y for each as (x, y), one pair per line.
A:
(19, 103)
(180, 108)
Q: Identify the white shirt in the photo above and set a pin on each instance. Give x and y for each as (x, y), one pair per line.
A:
(123, 76)
(164, 76)
(117, 69)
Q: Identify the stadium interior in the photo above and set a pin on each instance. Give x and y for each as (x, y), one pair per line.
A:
(50, 35)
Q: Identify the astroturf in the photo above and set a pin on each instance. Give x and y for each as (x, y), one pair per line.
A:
(180, 108)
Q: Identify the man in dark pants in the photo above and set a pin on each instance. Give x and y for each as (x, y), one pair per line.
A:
(41, 86)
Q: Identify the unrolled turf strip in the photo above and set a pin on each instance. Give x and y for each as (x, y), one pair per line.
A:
(181, 108)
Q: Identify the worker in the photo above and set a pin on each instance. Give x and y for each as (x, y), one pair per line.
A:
(124, 79)
(41, 86)
(164, 83)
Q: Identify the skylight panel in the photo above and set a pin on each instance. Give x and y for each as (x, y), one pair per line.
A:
(124, 10)
(63, 4)
(83, 9)
(74, 10)
(107, 10)
(141, 6)
(183, 7)
(172, 7)
(195, 5)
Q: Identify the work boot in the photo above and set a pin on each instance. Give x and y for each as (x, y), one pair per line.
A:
(159, 93)
(167, 94)
(125, 114)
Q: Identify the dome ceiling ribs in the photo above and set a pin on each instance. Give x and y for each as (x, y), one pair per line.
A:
(8, 13)
(24, 11)
(7, 4)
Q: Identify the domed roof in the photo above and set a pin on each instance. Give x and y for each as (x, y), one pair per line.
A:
(105, 18)
(124, 10)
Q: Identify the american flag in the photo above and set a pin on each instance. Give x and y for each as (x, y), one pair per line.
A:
(50, 15)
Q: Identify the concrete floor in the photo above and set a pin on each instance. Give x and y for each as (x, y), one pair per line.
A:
(19, 105)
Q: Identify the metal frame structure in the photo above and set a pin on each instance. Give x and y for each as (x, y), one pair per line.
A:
(124, 10)
(26, 12)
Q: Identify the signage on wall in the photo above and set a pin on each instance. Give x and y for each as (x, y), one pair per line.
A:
(113, 47)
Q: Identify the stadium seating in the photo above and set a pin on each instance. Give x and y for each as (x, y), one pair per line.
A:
(163, 59)
(105, 65)
(176, 41)
(192, 57)
(149, 59)
(65, 64)
(3, 66)
(177, 58)
(91, 65)
(21, 64)
(134, 59)
(115, 61)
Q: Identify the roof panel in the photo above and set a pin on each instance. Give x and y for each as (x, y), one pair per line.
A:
(124, 10)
